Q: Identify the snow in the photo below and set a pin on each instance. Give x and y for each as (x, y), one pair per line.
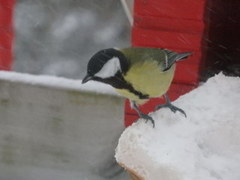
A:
(57, 82)
(203, 146)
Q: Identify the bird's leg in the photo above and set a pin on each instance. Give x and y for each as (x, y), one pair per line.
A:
(170, 106)
(142, 115)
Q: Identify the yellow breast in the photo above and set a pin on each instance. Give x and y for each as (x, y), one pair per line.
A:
(148, 78)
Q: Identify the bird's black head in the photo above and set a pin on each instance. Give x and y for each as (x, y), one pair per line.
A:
(106, 64)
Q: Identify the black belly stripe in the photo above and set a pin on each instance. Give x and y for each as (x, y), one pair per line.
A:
(119, 82)
(137, 93)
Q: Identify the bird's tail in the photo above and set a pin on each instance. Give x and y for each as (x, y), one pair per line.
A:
(173, 57)
(178, 56)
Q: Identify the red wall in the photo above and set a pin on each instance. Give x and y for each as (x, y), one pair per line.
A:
(6, 33)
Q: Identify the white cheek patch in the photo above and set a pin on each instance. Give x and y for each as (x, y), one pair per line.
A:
(110, 68)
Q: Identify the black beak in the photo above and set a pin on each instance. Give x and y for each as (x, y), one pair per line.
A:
(86, 79)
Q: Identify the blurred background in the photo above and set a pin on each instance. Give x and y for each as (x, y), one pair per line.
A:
(57, 37)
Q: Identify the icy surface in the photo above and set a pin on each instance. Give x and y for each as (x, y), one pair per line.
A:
(57, 82)
(203, 146)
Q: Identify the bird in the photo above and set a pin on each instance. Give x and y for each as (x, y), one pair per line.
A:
(136, 73)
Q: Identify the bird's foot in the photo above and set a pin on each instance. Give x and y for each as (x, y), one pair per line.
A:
(147, 118)
(142, 115)
(171, 107)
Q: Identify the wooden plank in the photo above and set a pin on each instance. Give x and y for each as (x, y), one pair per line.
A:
(166, 39)
(184, 9)
(169, 24)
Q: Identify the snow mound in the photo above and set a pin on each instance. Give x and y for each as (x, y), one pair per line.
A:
(203, 146)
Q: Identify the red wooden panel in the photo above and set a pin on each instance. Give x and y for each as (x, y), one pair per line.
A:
(166, 39)
(174, 92)
(5, 17)
(6, 33)
(186, 73)
(5, 59)
(169, 24)
(7, 3)
(186, 9)
(5, 39)
(129, 119)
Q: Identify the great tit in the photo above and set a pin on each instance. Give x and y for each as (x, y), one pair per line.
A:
(137, 73)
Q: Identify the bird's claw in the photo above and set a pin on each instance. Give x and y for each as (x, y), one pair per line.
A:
(171, 107)
(147, 118)
(175, 109)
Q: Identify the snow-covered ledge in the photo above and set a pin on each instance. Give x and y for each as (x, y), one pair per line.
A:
(203, 146)
(56, 82)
